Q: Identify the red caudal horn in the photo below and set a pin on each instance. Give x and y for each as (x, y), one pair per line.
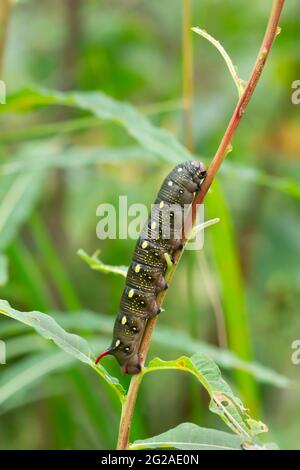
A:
(105, 353)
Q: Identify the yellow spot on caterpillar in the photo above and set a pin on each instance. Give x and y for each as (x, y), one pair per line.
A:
(137, 268)
(153, 225)
(130, 293)
(170, 183)
(179, 169)
(124, 320)
(161, 204)
(117, 343)
(144, 244)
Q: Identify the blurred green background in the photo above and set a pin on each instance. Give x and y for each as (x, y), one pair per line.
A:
(247, 276)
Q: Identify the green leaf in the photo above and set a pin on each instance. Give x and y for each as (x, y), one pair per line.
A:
(53, 263)
(18, 196)
(232, 290)
(3, 270)
(223, 401)
(156, 140)
(21, 398)
(17, 378)
(267, 446)
(189, 436)
(28, 270)
(95, 263)
(250, 174)
(49, 329)
(24, 375)
(166, 337)
(70, 343)
(41, 131)
(24, 344)
(181, 341)
(271, 446)
(50, 155)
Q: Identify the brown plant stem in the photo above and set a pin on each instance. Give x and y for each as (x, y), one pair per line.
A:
(5, 11)
(224, 147)
(225, 144)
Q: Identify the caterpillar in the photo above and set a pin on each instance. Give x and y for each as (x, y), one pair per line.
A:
(159, 239)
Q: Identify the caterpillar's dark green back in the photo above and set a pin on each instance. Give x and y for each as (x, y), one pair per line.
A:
(146, 273)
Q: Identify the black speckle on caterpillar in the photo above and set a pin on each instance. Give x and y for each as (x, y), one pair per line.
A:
(146, 273)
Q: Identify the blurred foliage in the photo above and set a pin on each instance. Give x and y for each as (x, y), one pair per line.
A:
(59, 162)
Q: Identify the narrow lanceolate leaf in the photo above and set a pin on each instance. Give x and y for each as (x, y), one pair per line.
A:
(181, 341)
(189, 436)
(70, 343)
(19, 382)
(95, 263)
(50, 155)
(3, 270)
(156, 140)
(223, 401)
(37, 394)
(18, 196)
(238, 172)
(165, 337)
(23, 375)
(228, 269)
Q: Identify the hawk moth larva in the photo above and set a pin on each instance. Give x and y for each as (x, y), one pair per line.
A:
(146, 273)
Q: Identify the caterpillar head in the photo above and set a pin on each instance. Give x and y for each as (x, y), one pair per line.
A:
(197, 169)
(126, 355)
(132, 365)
